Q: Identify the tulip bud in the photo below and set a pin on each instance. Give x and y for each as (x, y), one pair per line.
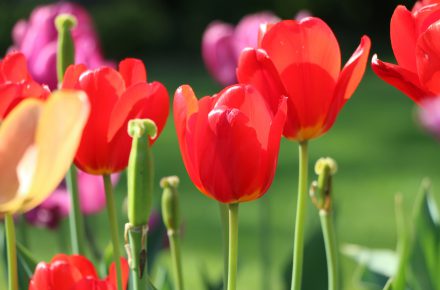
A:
(140, 171)
(170, 203)
(321, 189)
(66, 49)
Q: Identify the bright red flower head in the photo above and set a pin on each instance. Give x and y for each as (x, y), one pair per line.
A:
(229, 142)
(302, 60)
(115, 98)
(16, 83)
(74, 273)
(414, 39)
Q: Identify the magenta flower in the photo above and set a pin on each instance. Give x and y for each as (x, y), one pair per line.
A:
(57, 205)
(222, 44)
(37, 39)
(429, 114)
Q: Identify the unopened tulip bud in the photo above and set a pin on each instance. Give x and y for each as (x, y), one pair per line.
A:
(140, 171)
(321, 189)
(170, 203)
(66, 48)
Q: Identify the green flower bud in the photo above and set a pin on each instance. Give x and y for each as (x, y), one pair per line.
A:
(320, 190)
(170, 203)
(140, 172)
(66, 49)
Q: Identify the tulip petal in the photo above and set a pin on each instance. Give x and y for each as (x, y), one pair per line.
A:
(92, 284)
(310, 40)
(10, 97)
(403, 38)
(17, 134)
(132, 71)
(186, 107)
(428, 58)
(63, 276)
(256, 68)
(41, 278)
(13, 67)
(72, 75)
(58, 135)
(84, 266)
(218, 52)
(112, 274)
(402, 79)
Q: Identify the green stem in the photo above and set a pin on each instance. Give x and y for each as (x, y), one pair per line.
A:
(173, 236)
(225, 229)
(90, 236)
(331, 249)
(11, 252)
(233, 246)
(265, 245)
(75, 218)
(138, 243)
(298, 247)
(113, 220)
(2, 258)
(22, 229)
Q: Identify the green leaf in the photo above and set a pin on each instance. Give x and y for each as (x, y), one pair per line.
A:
(389, 285)
(425, 254)
(163, 281)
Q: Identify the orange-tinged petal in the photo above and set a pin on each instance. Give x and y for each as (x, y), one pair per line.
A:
(17, 134)
(428, 58)
(404, 37)
(57, 138)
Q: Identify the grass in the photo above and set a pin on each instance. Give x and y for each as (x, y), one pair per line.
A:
(380, 150)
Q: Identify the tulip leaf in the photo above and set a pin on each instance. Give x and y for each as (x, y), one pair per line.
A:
(425, 251)
(389, 285)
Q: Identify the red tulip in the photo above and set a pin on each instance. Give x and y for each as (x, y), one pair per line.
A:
(229, 142)
(74, 273)
(16, 83)
(414, 39)
(115, 97)
(302, 60)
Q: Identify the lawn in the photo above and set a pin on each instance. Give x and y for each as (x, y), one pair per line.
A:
(380, 150)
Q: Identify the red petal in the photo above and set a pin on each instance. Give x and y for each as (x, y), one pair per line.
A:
(428, 58)
(402, 79)
(9, 97)
(255, 68)
(14, 68)
(41, 278)
(71, 76)
(111, 279)
(92, 284)
(103, 87)
(132, 71)
(84, 266)
(426, 16)
(63, 275)
(310, 40)
(403, 38)
(186, 109)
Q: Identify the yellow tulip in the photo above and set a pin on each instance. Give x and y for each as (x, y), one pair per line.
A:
(38, 141)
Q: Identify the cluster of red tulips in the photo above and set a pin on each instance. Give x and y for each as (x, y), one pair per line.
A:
(104, 120)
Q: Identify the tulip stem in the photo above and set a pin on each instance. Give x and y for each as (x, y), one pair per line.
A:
(298, 247)
(225, 229)
(75, 218)
(331, 248)
(11, 252)
(113, 220)
(173, 237)
(233, 246)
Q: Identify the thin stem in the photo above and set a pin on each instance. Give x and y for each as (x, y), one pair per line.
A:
(22, 231)
(331, 249)
(113, 220)
(265, 245)
(225, 229)
(138, 240)
(233, 246)
(11, 252)
(298, 247)
(175, 254)
(90, 236)
(2, 250)
(75, 218)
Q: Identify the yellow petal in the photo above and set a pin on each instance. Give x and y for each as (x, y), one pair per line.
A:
(57, 139)
(17, 135)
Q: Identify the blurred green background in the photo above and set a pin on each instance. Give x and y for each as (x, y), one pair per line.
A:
(377, 142)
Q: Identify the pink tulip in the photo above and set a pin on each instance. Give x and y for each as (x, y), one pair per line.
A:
(37, 39)
(57, 205)
(429, 114)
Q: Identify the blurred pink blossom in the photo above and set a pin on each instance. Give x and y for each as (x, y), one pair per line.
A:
(429, 114)
(37, 39)
(222, 43)
(57, 205)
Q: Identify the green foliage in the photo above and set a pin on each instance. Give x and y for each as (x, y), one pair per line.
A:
(416, 262)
